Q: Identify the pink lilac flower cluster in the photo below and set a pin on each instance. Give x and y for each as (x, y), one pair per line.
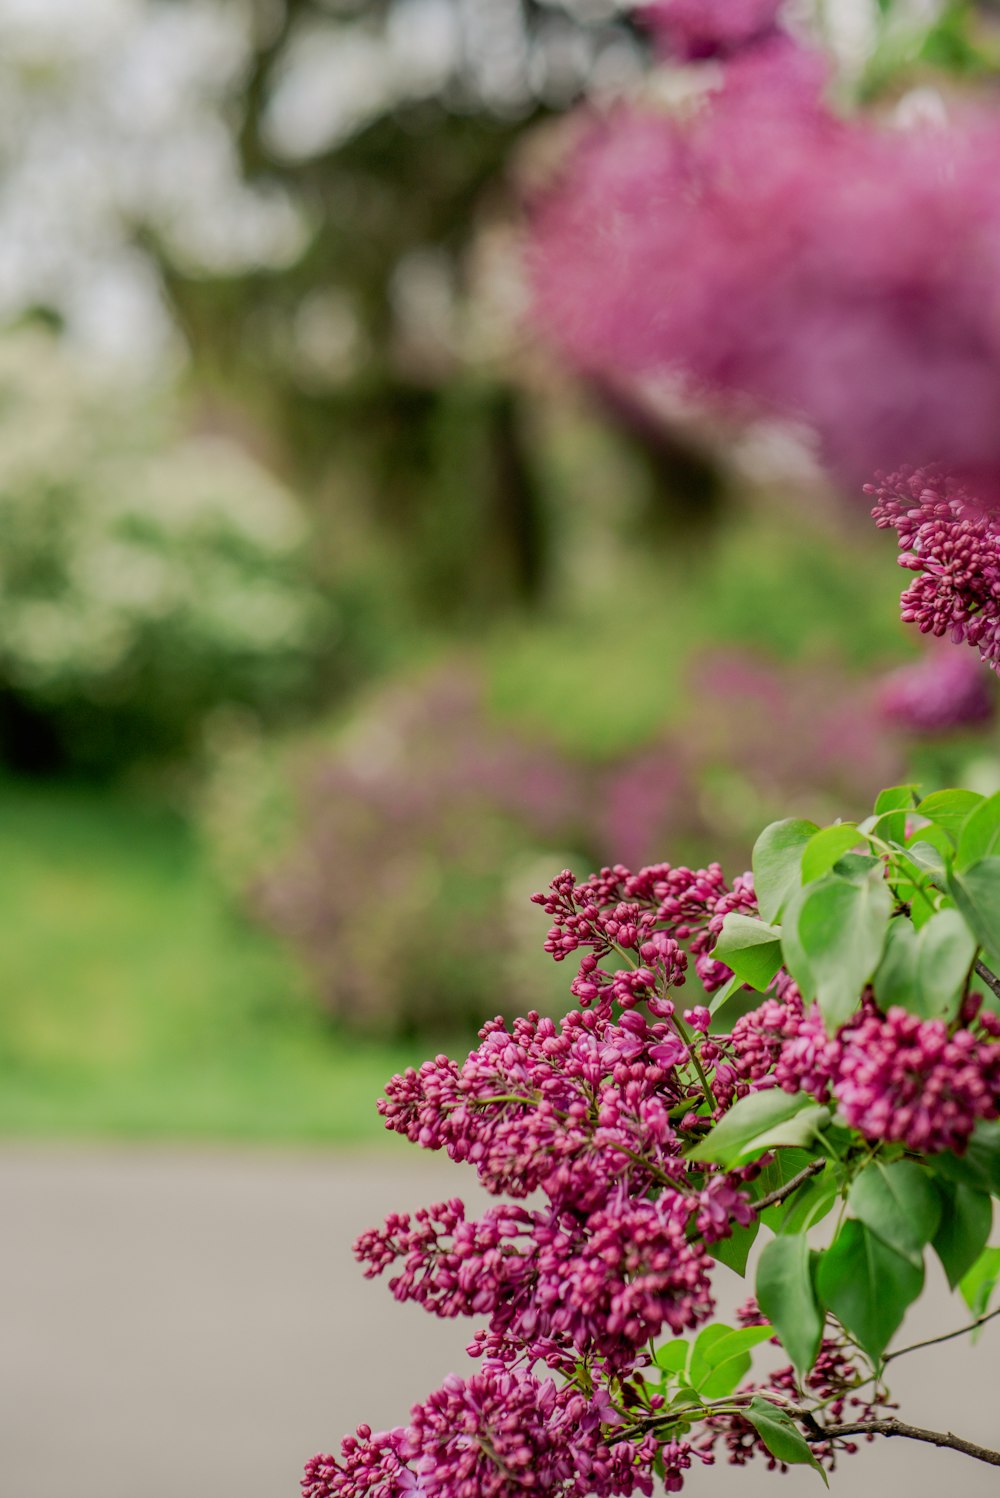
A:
(946, 690)
(893, 1076)
(708, 28)
(780, 259)
(952, 543)
(495, 1435)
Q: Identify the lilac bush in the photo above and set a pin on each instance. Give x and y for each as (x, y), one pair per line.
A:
(816, 1040)
(776, 256)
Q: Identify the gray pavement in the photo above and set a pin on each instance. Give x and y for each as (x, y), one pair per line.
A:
(183, 1325)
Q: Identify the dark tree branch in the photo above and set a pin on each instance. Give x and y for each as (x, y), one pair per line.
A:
(990, 979)
(947, 1336)
(782, 1192)
(911, 1432)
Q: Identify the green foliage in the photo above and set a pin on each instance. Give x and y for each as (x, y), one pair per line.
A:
(833, 936)
(777, 864)
(867, 1286)
(762, 1121)
(966, 1220)
(787, 1297)
(135, 1004)
(897, 1202)
(781, 1437)
(751, 948)
(147, 577)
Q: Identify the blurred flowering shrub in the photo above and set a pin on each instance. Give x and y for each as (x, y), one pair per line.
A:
(144, 578)
(405, 842)
(780, 258)
(391, 851)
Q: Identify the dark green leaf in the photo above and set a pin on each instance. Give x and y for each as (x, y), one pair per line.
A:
(979, 1166)
(751, 948)
(966, 1219)
(949, 809)
(978, 1284)
(751, 1124)
(979, 836)
(782, 1438)
(777, 864)
(867, 1286)
(899, 1204)
(824, 848)
(976, 892)
(735, 1250)
(833, 938)
(786, 1296)
(810, 1204)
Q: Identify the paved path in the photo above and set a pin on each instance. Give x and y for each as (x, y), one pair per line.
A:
(185, 1325)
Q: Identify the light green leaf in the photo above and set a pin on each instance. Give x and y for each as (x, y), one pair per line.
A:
(833, 938)
(945, 950)
(758, 1122)
(751, 948)
(672, 1356)
(824, 848)
(899, 1204)
(728, 1360)
(966, 1219)
(786, 1296)
(949, 809)
(867, 1286)
(976, 892)
(978, 1284)
(979, 836)
(896, 798)
(782, 1438)
(777, 864)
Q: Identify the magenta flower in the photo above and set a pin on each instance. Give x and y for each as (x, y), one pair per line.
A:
(946, 690)
(707, 28)
(779, 259)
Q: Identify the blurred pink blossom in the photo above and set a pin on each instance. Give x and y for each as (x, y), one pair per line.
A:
(784, 260)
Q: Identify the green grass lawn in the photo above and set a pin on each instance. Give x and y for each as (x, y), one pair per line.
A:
(134, 1003)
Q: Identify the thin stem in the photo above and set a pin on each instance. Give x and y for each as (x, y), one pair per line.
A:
(947, 1337)
(911, 1432)
(989, 978)
(781, 1193)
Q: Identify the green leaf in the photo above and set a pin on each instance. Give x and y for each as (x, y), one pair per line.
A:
(949, 809)
(728, 991)
(824, 848)
(979, 1166)
(896, 975)
(786, 1296)
(867, 1286)
(833, 938)
(672, 1356)
(976, 892)
(978, 1284)
(751, 948)
(759, 1122)
(945, 950)
(899, 1204)
(896, 798)
(777, 864)
(810, 1204)
(735, 1250)
(966, 1219)
(727, 1360)
(782, 1438)
(979, 836)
